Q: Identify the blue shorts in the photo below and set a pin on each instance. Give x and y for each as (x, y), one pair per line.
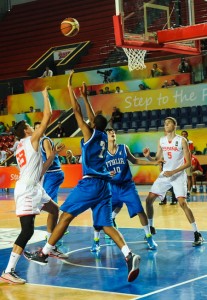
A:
(91, 193)
(126, 193)
(52, 182)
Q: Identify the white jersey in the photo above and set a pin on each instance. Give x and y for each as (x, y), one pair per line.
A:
(172, 152)
(29, 162)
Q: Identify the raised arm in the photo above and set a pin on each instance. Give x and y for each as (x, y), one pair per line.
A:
(47, 113)
(86, 130)
(89, 109)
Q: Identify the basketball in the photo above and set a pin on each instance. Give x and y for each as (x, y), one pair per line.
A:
(69, 27)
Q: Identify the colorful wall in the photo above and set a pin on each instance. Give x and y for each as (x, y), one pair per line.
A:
(191, 95)
(170, 67)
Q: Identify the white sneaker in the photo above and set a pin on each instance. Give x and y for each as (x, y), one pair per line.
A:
(12, 277)
(57, 254)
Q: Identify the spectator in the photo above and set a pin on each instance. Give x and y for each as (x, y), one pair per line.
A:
(155, 71)
(184, 133)
(205, 150)
(60, 132)
(101, 91)
(196, 171)
(184, 66)
(11, 129)
(3, 157)
(165, 84)
(70, 158)
(116, 116)
(14, 148)
(31, 109)
(173, 83)
(2, 128)
(118, 90)
(47, 73)
(62, 160)
(143, 87)
(107, 90)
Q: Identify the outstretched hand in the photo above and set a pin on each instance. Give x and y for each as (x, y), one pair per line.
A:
(58, 147)
(45, 91)
(83, 90)
(146, 152)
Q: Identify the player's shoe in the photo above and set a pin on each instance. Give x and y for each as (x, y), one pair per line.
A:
(95, 247)
(57, 254)
(151, 243)
(133, 261)
(163, 202)
(12, 277)
(198, 239)
(152, 230)
(38, 257)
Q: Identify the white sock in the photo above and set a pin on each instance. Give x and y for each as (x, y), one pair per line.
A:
(194, 186)
(147, 230)
(125, 250)
(114, 214)
(13, 260)
(96, 235)
(150, 222)
(194, 226)
(47, 248)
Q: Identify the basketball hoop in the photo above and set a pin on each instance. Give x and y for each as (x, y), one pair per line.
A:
(135, 58)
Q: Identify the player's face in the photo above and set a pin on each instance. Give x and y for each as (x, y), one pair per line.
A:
(184, 134)
(111, 135)
(29, 130)
(169, 126)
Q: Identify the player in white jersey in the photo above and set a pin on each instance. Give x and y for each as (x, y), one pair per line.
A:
(29, 195)
(175, 151)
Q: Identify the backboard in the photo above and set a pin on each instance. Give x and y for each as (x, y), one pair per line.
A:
(167, 25)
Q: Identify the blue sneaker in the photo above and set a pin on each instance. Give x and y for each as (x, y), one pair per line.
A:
(95, 247)
(151, 243)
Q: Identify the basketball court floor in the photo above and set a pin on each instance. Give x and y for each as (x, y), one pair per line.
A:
(175, 270)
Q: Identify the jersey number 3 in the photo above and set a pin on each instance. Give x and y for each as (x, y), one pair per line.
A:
(21, 158)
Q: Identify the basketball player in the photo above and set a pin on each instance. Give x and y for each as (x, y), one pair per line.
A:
(54, 176)
(29, 195)
(123, 188)
(93, 191)
(175, 151)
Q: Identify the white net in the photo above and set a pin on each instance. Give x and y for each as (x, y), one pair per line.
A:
(135, 58)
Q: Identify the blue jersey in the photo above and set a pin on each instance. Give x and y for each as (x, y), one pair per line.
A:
(55, 166)
(118, 162)
(94, 155)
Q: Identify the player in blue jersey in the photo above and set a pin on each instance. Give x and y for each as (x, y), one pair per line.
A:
(93, 191)
(54, 176)
(123, 187)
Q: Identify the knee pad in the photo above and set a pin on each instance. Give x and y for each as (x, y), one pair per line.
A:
(24, 236)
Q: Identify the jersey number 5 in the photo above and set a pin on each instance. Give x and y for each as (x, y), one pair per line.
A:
(21, 158)
(169, 155)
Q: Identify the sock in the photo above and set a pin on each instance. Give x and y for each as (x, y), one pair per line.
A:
(47, 248)
(96, 235)
(194, 226)
(114, 214)
(194, 186)
(147, 231)
(125, 250)
(150, 222)
(13, 260)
